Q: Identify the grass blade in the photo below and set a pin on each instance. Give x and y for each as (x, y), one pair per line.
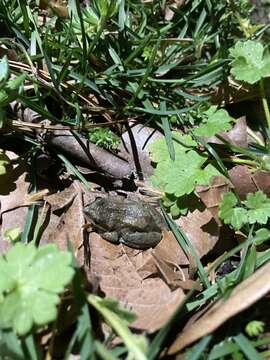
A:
(246, 346)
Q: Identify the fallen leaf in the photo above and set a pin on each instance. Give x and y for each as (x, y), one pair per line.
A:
(201, 229)
(211, 194)
(67, 219)
(116, 267)
(175, 277)
(60, 200)
(245, 181)
(244, 295)
(170, 250)
(13, 194)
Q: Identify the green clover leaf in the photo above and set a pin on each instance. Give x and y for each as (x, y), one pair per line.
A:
(250, 63)
(258, 207)
(179, 177)
(30, 280)
(235, 216)
(159, 149)
(255, 209)
(216, 121)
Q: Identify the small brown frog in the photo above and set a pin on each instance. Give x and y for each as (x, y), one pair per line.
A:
(130, 222)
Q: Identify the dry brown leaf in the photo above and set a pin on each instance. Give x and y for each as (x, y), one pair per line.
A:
(245, 181)
(238, 134)
(61, 199)
(70, 227)
(211, 194)
(244, 295)
(170, 251)
(14, 188)
(66, 220)
(201, 229)
(174, 276)
(15, 198)
(117, 268)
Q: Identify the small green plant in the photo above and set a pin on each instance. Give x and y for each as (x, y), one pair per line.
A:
(254, 210)
(255, 328)
(94, 17)
(252, 64)
(31, 280)
(105, 138)
(13, 234)
(213, 120)
(179, 177)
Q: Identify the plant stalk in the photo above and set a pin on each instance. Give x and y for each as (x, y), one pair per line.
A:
(252, 134)
(235, 160)
(265, 104)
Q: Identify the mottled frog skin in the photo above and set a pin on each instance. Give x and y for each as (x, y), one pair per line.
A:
(130, 222)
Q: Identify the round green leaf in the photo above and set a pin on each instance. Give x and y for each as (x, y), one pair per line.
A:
(30, 282)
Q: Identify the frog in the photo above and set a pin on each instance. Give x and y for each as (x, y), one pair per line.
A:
(126, 221)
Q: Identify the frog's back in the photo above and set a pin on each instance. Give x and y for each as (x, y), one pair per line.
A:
(117, 213)
(141, 216)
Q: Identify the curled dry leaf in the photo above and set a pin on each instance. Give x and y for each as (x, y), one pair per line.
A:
(14, 188)
(201, 229)
(245, 181)
(118, 269)
(69, 227)
(170, 251)
(173, 278)
(211, 194)
(244, 295)
(62, 199)
(66, 219)
(12, 216)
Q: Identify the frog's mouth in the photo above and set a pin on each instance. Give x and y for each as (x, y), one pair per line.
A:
(95, 226)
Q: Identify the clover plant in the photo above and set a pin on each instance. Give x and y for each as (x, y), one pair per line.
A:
(255, 328)
(254, 210)
(251, 63)
(191, 167)
(31, 280)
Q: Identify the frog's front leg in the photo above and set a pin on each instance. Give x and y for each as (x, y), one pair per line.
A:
(140, 240)
(111, 236)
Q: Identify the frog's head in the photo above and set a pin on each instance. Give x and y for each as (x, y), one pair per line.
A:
(93, 211)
